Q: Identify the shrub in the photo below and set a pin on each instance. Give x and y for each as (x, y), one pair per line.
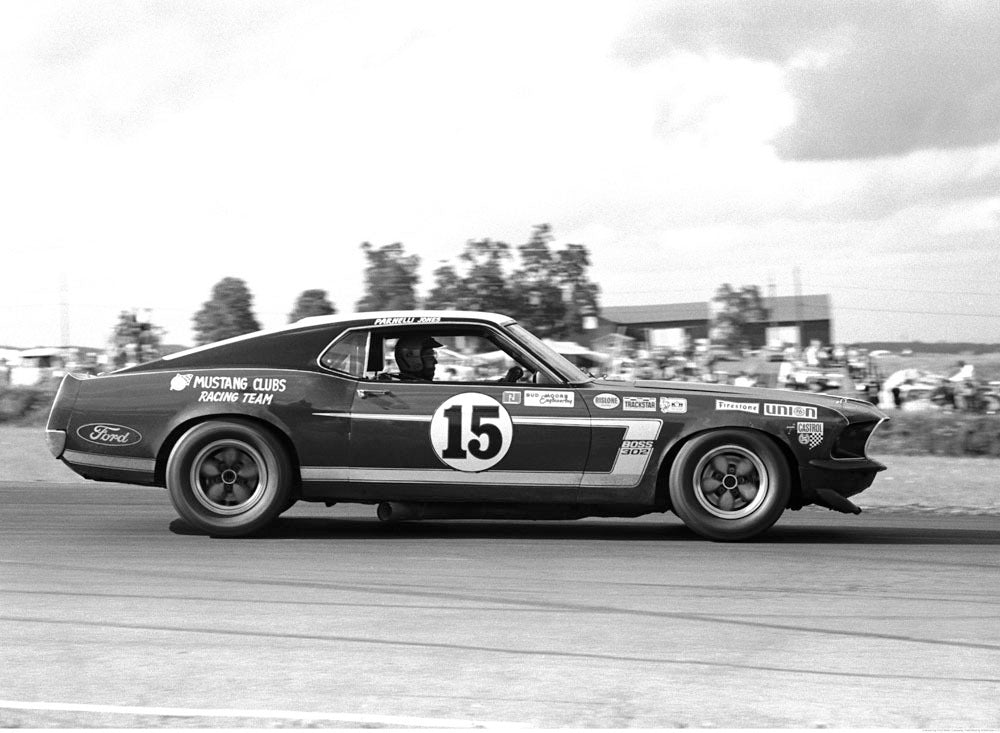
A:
(24, 405)
(941, 433)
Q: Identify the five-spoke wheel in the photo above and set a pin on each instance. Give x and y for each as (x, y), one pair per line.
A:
(229, 477)
(729, 484)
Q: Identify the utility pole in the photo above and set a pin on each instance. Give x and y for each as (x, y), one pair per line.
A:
(772, 297)
(63, 311)
(797, 278)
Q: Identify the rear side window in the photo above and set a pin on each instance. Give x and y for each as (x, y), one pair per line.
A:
(347, 355)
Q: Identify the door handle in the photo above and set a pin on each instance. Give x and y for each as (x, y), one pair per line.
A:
(366, 393)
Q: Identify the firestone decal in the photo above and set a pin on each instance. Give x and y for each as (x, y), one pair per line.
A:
(471, 432)
(549, 398)
(676, 405)
(607, 401)
(810, 433)
(640, 404)
(753, 407)
(798, 411)
(109, 434)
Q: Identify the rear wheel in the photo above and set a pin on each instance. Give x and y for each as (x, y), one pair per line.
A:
(229, 477)
(729, 484)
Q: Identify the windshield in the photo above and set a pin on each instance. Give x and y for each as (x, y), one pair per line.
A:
(552, 358)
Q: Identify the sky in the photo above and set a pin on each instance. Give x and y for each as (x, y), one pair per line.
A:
(150, 148)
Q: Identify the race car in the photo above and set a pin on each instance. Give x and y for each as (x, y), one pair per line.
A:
(239, 430)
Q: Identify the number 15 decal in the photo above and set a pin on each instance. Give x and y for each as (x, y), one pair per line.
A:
(471, 432)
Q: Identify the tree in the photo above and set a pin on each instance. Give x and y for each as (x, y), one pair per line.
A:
(450, 292)
(390, 278)
(135, 338)
(486, 285)
(549, 292)
(582, 295)
(734, 309)
(555, 291)
(539, 296)
(311, 303)
(228, 313)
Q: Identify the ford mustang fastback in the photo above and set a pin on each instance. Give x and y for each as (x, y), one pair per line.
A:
(452, 414)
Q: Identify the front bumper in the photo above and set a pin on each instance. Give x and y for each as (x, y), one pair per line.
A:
(844, 477)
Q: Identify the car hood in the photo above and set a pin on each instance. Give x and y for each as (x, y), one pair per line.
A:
(840, 403)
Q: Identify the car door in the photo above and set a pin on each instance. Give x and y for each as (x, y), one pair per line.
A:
(468, 441)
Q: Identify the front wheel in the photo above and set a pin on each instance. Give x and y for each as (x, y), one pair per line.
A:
(229, 477)
(729, 485)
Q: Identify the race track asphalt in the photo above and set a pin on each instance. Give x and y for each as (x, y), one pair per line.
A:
(115, 613)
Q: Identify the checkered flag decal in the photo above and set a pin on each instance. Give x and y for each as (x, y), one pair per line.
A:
(811, 439)
(810, 433)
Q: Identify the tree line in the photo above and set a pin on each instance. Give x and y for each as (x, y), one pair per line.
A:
(546, 288)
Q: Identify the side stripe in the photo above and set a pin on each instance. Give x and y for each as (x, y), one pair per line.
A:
(142, 465)
(627, 471)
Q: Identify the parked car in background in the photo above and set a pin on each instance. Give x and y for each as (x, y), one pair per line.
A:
(35, 367)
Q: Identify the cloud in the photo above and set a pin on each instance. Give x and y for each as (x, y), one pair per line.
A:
(113, 68)
(868, 79)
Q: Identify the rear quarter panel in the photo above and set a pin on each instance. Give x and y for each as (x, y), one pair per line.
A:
(138, 415)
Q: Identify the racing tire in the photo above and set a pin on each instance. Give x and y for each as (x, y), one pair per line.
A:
(229, 478)
(729, 485)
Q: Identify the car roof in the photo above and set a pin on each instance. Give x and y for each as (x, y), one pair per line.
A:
(372, 318)
(425, 316)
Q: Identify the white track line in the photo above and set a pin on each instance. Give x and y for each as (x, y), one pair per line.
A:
(399, 721)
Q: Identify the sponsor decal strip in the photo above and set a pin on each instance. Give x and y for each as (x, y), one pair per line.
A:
(145, 465)
(607, 401)
(810, 433)
(753, 407)
(649, 424)
(640, 404)
(802, 412)
(549, 398)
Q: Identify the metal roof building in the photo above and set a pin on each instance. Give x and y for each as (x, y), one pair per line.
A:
(790, 318)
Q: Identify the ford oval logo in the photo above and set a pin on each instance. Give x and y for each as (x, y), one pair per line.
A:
(104, 433)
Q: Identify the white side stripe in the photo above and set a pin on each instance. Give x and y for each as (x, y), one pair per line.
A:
(400, 721)
(626, 472)
(365, 475)
(144, 465)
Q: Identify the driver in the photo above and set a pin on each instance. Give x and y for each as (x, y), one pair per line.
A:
(415, 358)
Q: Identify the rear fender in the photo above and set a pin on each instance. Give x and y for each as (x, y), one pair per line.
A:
(183, 424)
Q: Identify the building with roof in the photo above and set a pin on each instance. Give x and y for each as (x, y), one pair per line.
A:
(791, 319)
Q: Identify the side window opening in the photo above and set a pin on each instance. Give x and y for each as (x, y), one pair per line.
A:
(347, 354)
(464, 355)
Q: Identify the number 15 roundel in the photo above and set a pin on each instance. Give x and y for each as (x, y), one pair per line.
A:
(471, 432)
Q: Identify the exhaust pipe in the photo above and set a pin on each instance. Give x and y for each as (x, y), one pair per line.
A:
(394, 511)
(832, 500)
(398, 511)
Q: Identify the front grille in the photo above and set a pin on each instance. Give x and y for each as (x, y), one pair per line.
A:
(852, 442)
